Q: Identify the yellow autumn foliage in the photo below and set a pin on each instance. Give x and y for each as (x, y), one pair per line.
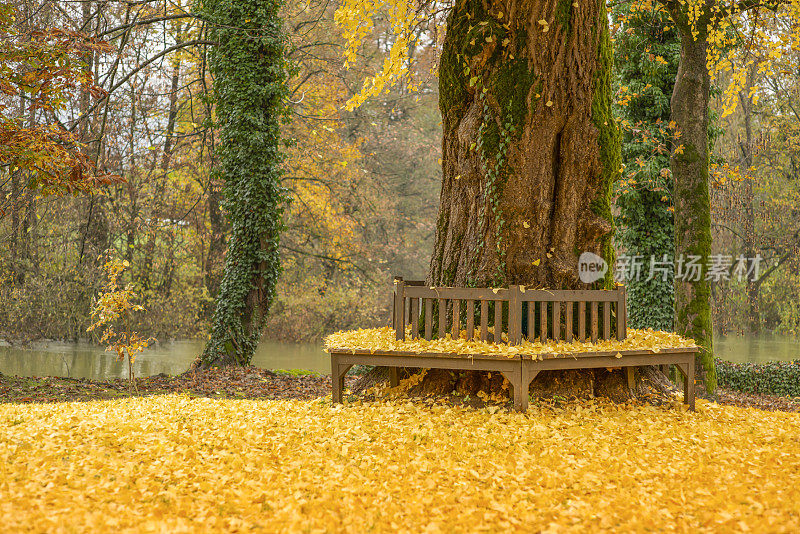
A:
(177, 464)
(383, 339)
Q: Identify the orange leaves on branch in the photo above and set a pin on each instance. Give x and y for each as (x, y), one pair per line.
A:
(50, 156)
(45, 69)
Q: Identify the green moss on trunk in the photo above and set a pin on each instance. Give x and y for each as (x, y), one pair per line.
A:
(608, 140)
(693, 228)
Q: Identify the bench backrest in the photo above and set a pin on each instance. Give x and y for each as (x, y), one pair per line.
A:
(533, 314)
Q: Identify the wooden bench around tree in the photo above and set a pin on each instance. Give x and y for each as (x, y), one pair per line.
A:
(514, 313)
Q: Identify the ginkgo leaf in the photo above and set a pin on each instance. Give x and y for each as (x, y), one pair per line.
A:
(383, 339)
(174, 463)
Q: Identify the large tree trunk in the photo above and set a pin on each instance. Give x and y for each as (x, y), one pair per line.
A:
(530, 148)
(689, 165)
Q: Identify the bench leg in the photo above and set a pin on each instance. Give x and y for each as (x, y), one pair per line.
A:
(687, 370)
(338, 371)
(528, 374)
(629, 377)
(393, 379)
(520, 396)
(688, 389)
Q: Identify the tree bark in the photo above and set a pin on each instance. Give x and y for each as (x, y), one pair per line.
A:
(530, 148)
(689, 164)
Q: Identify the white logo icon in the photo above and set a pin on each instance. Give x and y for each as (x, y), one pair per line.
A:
(591, 267)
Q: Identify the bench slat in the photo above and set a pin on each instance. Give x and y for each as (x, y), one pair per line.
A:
(593, 320)
(488, 293)
(570, 323)
(563, 295)
(470, 320)
(581, 321)
(531, 321)
(414, 318)
(428, 319)
(484, 320)
(498, 321)
(442, 317)
(556, 321)
(543, 322)
(455, 332)
(622, 314)
(462, 293)
(606, 320)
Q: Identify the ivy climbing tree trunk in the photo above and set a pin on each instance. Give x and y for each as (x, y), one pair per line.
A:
(644, 221)
(530, 148)
(249, 87)
(689, 164)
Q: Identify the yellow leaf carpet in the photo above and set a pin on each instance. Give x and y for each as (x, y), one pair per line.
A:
(173, 464)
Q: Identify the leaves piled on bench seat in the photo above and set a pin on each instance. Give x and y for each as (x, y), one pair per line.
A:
(176, 464)
(383, 339)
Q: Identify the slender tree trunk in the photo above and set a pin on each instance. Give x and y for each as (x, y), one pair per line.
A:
(157, 214)
(748, 217)
(689, 164)
(85, 98)
(530, 148)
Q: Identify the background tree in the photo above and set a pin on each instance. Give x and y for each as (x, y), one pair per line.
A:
(372, 174)
(755, 191)
(39, 72)
(707, 28)
(249, 87)
(646, 52)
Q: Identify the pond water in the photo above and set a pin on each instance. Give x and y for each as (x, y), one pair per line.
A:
(757, 349)
(85, 360)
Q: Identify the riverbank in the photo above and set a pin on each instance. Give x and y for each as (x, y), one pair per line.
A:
(227, 383)
(252, 383)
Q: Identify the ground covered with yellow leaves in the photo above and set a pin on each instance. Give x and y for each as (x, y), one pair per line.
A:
(175, 463)
(383, 339)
